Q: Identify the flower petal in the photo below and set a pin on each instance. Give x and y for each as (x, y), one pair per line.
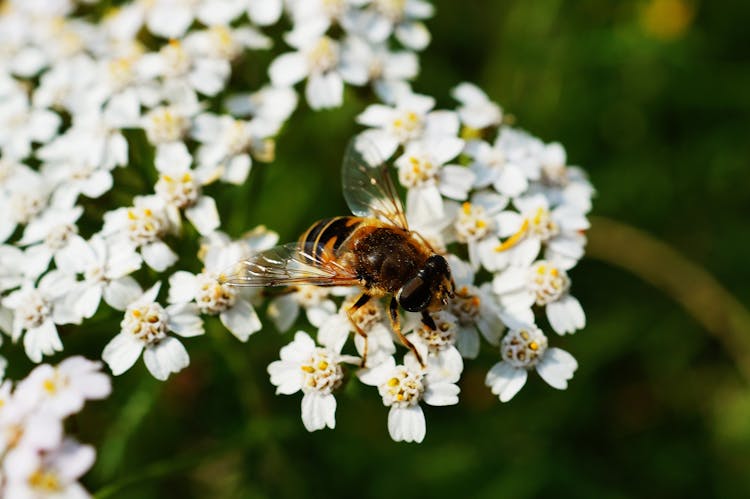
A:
(318, 411)
(166, 357)
(121, 352)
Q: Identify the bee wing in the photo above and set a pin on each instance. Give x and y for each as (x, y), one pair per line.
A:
(368, 188)
(288, 265)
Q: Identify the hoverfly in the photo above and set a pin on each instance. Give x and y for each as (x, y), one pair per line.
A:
(374, 250)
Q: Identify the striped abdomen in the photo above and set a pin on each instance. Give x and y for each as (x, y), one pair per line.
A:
(326, 236)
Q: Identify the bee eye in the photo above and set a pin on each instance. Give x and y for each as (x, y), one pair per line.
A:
(414, 295)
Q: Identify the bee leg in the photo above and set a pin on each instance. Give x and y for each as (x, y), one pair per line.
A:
(428, 321)
(361, 301)
(396, 325)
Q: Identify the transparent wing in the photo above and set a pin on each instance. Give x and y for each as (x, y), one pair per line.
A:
(368, 188)
(287, 265)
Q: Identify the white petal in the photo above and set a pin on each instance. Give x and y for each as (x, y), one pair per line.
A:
(375, 115)
(166, 357)
(324, 91)
(467, 342)
(456, 181)
(158, 255)
(203, 215)
(42, 340)
(511, 280)
(505, 380)
(377, 375)
(184, 319)
(413, 35)
(237, 170)
(288, 69)
(287, 376)
(439, 394)
(406, 424)
(182, 287)
(264, 12)
(318, 411)
(334, 331)
(121, 352)
(283, 312)
(87, 302)
(566, 315)
(172, 158)
(557, 367)
(122, 292)
(241, 320)
(425, 203)
(511, 181)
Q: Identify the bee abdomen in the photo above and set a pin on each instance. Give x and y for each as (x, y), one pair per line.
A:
(328, 234)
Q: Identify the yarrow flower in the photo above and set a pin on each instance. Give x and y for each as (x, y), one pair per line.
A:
(144, 330)
(37, 458)
(523, 349)
(314, 370)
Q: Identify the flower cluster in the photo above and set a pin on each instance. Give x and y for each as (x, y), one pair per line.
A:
(497, 201)
(37, 458)
(98, 105)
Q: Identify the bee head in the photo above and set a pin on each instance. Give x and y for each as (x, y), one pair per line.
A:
(430, 289)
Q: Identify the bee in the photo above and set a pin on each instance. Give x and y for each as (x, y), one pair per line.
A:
(374, 250)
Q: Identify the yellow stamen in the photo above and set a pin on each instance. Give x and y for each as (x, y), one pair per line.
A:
(393, 382)
(514, 239)
(322, 365)
(49, 386)
(308, 369)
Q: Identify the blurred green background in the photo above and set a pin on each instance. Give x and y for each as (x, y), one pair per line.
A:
(651, 97)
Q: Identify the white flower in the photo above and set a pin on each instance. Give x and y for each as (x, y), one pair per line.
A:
(226, 144)
(20, 125)
(144, 330)
(283, 310)
(493, 167)
(476, 221)
(545, 284)
(23, 196)
(273, 105)
(52, 474)
(381, 64)
(170, 18)
(62, 390)
(477, 111)
(140, 226)
(224, 42)
(12, 267)
(559, 229)
(48, 235)
(422, 170)
(105, 274)
(37, 311)
(318, 59)
(402, 16)
(562, 184)
(176, 64)
(403, 387)
(523, 349)
(409, 118)
(181, 189)
(475, 310)
(231, 304)
(314, 370)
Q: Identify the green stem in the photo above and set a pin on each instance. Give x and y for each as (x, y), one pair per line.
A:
(697, 291)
